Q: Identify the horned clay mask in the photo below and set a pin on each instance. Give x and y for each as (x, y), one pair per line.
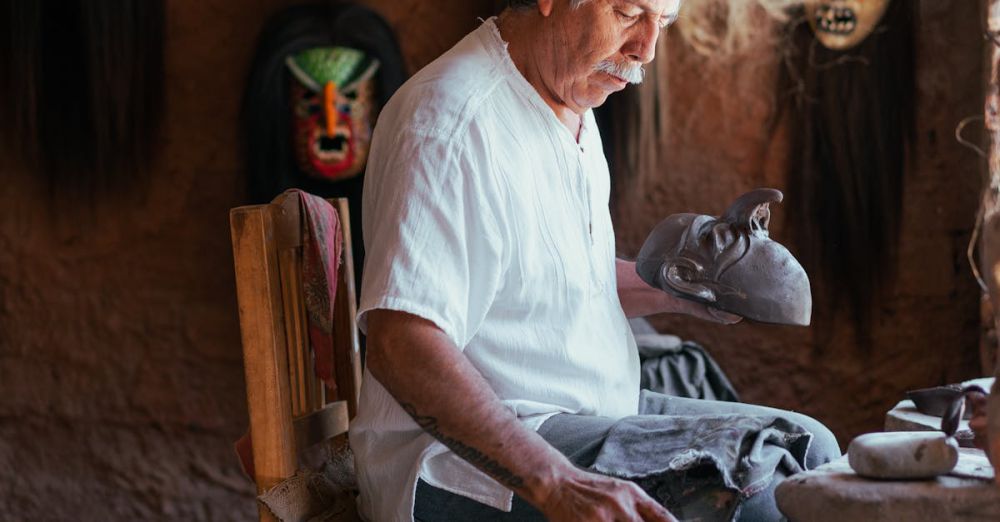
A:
(729, 263)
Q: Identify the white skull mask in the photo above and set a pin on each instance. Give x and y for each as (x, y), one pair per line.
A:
(843, 24)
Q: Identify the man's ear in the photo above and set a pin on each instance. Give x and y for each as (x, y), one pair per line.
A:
(545, 7)
(684, 276)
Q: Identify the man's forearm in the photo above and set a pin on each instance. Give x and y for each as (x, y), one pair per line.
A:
(438, 386)
(638, 299)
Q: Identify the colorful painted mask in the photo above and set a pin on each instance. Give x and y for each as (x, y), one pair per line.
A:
(843, 24)
(332, 98)
(729, 263)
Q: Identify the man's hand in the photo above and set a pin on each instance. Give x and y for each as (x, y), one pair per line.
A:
(457, 406)
(683, 306)
(979, 423)
(592, 497)
(639, 299)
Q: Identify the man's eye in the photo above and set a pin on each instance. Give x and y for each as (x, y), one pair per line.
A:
(625, 17)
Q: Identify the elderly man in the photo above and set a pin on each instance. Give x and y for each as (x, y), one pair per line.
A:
(499, 353)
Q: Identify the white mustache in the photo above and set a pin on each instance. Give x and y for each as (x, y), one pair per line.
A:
(631, 73)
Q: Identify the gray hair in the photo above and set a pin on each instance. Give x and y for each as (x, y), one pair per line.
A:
(524, 4)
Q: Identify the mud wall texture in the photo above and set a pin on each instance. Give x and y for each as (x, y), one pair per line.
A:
(717, 148)
(121, 378)
(121, 386)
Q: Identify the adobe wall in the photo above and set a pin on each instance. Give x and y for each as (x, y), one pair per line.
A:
(926, 332)
(121, 378)
(120, 363)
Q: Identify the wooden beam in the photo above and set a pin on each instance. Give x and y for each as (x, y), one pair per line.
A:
(990, 241)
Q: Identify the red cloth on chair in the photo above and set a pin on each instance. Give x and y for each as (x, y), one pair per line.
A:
(322, 247)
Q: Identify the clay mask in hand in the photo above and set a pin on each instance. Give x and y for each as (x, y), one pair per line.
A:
(843, 24)
(729, 263)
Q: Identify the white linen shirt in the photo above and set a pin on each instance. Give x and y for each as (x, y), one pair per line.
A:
(484, 215)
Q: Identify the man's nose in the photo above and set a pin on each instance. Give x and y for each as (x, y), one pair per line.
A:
(641, 46)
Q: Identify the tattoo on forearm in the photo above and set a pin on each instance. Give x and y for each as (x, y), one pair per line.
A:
(470, 454)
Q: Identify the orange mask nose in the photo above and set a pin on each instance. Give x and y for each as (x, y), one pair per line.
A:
(330, 107)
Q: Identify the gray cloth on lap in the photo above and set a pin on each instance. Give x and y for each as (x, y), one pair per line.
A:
(681, 368)
(701, 467)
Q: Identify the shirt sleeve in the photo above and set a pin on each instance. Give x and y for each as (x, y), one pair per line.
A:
(433, 245)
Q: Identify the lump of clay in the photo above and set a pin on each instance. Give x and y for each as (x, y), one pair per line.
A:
(902, 454)
(729, 263)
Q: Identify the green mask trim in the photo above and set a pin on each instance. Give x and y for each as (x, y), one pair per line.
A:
(344, 66)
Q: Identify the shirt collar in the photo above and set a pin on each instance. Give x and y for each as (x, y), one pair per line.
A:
(497, 48)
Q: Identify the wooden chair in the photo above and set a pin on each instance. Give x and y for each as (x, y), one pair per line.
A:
(289, 407)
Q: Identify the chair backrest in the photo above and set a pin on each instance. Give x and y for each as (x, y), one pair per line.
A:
(289, 407)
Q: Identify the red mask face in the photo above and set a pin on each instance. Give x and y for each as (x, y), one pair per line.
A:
(332, 123)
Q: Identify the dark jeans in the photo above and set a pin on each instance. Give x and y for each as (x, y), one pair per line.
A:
(581, 437)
